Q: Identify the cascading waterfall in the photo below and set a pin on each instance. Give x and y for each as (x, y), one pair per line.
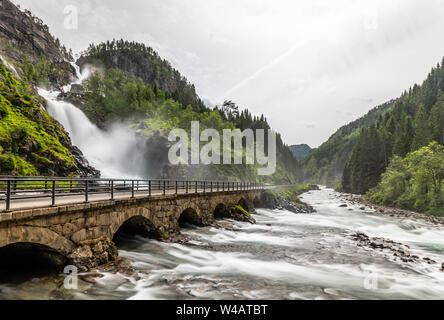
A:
(115, 152)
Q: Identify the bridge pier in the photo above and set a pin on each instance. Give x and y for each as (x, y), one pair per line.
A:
(84, 233)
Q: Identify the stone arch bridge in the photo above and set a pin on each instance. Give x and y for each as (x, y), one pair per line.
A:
(82, 233)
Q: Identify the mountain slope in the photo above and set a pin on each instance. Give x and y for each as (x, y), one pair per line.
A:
(416, 120)
(31, 141)
(326, 163)
(300, 151)
(27, 44)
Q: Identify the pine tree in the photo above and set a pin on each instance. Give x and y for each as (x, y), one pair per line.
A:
(423, 134)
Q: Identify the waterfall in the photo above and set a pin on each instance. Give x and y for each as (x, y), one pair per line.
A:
(115, 152)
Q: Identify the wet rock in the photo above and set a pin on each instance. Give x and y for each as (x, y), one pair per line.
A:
(343, 206)
(90, 277)
(90, 254)
(83, 165)
(442, 267)
(398, 250)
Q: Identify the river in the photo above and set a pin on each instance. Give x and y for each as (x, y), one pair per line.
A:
(283, 256)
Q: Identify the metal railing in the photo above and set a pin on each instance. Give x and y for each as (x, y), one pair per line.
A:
(22, 189)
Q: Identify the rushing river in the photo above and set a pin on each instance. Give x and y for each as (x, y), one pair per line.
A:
(283, 256)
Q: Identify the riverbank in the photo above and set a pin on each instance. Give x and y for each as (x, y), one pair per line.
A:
(364, 204)
(287, 198)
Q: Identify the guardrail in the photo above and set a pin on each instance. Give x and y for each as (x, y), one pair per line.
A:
(27, 188)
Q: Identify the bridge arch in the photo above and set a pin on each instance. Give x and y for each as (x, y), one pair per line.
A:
(24, 260)
(38, 236)
(190, 215)
(135, 225)
(32, 251)
(220, 211)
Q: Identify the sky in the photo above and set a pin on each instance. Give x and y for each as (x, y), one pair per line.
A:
(310, 66)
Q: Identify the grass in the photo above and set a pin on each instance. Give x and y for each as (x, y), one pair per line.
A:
(24, 125)
(241, 209)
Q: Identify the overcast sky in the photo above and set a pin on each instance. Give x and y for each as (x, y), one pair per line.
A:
(310, 66)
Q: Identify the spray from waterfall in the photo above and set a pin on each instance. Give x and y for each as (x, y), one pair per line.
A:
(117, 152)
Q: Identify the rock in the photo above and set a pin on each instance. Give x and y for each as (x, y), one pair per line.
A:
(83, 165)
(90, 277)
(343, 206)
(239, 215)
(442, 267)
(362, 208)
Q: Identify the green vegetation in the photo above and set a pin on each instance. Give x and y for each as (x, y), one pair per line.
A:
(239, 208)
(417, 119)
(42, 71)
(325, 164)
(414, 182)
(291, 193)
(143, 62)
(31, 142)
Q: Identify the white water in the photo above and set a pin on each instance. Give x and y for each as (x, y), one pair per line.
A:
(114, 152)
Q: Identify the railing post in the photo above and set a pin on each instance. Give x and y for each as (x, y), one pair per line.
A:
(86, 190)
(53, 193)
(132, 188)
(186, 186)
(149, 188)
(195, 186)
(112, 189)
(8, 195)
(223, 186)
(176, 186)
(164, 191)
(204, 186)
(211, 186)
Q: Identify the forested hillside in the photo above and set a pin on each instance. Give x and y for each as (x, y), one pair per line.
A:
(141, 61)
(417, 120)
(325, 164)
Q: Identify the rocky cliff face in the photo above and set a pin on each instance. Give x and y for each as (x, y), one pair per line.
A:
(26, 41)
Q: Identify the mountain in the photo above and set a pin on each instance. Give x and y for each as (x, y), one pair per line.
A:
(325, 164)
(141, 61)
(300, 151)
(31, 141)
(27, 44)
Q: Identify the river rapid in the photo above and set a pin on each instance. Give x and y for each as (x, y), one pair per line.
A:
(283, 256)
